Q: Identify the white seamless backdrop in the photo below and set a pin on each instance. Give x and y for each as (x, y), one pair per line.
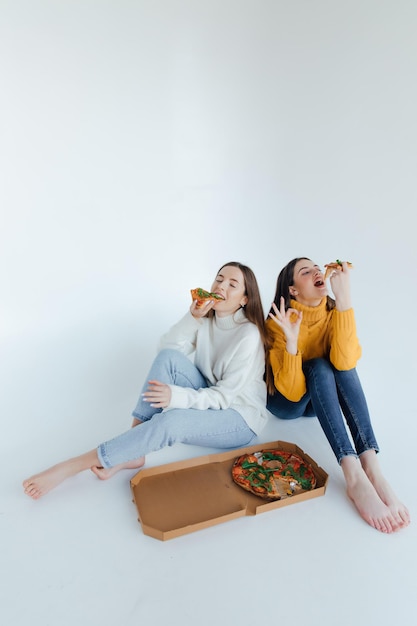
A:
(143, 144)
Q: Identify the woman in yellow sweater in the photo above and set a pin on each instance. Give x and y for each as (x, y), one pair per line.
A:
(311, 372)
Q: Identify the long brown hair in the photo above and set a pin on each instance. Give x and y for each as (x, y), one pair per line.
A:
(253, 308)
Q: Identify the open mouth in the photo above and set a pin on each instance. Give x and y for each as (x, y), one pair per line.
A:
(319, 283)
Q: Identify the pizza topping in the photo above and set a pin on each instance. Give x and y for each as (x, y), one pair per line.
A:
(273, 474)
(201, 295)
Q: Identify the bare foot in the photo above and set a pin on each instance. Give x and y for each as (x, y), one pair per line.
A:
(39, 484)
(387, 495)
(398, 510)
(371, 508)
(105, 473)
(366, 499)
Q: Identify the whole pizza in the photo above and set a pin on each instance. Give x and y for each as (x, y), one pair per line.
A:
(273, 474)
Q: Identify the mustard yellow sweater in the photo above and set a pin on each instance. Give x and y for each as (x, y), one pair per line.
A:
(323, 334)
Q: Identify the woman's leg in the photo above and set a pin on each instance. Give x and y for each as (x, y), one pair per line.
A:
(370, 493)
(173, 368)
(169, 366)
(225, 428)
(222, 428)
(322, 387)
(106, 473)
(355, 409)
(39, 484)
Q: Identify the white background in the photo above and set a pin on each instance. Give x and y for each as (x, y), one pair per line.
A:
(142, 145)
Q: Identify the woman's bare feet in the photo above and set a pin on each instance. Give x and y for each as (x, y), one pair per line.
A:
(39, 484)
(383, 488)
(366, 498)
(105, 473)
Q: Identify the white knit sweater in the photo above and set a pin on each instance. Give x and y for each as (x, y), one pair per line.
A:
(229, 353)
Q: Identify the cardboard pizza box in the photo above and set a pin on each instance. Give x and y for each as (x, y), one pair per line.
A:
(185, 496)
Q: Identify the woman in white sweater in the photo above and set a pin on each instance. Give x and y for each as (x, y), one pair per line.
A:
(217, 398)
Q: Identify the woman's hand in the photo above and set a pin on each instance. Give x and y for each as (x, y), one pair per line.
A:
(340, 284)
(158, 394)
(201, 311)
(290, 321)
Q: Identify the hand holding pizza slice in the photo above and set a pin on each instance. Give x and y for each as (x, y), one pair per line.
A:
(337, 265)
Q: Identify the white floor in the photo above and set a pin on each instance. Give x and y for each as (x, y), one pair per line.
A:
(79, 554)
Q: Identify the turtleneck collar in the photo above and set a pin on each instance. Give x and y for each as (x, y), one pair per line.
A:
(230, 321)
(310, 313)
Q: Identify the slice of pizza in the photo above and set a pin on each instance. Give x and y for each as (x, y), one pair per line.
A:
(249, 474)
(273, 474)
(201, 295)
(337, 265)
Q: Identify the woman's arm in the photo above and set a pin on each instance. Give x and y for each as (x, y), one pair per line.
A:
(345, 350)
(344, 345)
(289, 321)
(340, 283)
(287, 368)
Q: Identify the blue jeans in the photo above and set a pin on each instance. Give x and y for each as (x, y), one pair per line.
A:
(332, 394)
(219, 428)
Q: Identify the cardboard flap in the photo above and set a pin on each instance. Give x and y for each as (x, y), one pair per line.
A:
(189, 495)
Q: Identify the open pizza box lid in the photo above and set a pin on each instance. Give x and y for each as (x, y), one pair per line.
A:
(185, 496)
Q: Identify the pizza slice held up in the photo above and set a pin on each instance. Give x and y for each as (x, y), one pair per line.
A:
(201, 295)
(336, 265)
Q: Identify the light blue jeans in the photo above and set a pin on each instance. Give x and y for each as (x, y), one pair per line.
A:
(217, 428)
(331, 395)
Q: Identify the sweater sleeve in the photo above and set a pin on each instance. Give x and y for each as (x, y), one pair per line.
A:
(345, 350)
(182, 336)
(287, 369)
(245, 364)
